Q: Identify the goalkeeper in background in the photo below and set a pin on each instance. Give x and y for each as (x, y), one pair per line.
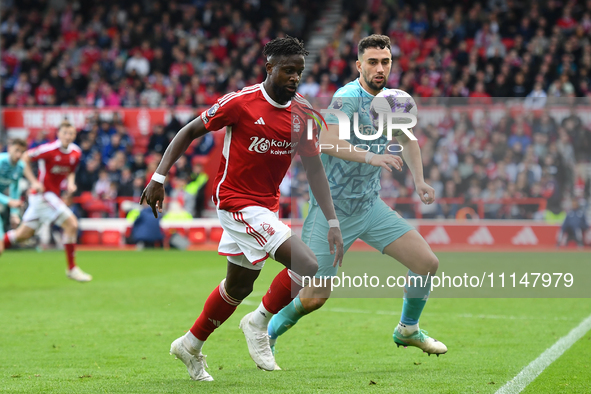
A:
(354, 179)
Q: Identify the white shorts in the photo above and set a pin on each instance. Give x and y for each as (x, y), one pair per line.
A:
(251, 235)
(44, 208)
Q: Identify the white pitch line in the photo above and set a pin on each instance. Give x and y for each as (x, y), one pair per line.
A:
(536, 367)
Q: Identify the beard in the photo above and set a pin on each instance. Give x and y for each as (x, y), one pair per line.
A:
(283, 95)
(374, 86)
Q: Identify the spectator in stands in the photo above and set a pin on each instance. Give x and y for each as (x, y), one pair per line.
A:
(574, 225)
(87, 175)
(125, 186)
(137, 64)
(196, 189)
(158, 140)
(40, 139)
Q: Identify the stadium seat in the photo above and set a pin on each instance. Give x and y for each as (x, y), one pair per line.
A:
(111, 238)
(175, 230)
(215, 234)
(90, 237)
(197, 235)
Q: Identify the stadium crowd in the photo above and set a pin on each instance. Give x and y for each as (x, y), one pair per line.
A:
(154, 54)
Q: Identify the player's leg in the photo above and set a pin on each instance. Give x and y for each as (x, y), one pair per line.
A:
(219, 306)
(247, 249)
(29, 224)
(313, 296)
(23, 232)
(69, 224)
(393, 236)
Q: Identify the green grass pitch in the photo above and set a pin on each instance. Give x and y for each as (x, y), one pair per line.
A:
(113, 335)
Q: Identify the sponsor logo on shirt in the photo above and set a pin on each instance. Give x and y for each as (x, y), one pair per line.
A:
(264, 145)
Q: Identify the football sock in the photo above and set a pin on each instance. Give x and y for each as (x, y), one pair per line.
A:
(9, 239)
(70, 248)
(261, 317)
(193, 344)
(217, 309)
(280, 292)
(415, 298)
(286, 318)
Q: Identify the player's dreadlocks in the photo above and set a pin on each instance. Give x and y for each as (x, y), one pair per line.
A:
(284, 47)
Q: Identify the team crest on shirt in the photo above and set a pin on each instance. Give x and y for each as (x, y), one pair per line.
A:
(58, 158)
(296, 123)
(72, 160)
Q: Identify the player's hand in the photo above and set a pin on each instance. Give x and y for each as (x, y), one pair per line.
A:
(72, 188)
(15, 203)
(335, 242)
(387, 161)
(426, 193)
(153, 194)
(38, 186)
(15, 220)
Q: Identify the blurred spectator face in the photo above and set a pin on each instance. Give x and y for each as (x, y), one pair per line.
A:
(126, 174)
(92, 165)
(197, 168)
(115, 140)
(103, 175)
(138, 182)
(138, 158)
(85, 145)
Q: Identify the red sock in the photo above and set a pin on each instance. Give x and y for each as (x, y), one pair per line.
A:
(280, 292)
(70, 249)
(218, 308)
(7, 243)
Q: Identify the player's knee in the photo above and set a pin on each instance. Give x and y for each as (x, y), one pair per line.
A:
(309, 265)
(239, 291)
(432, 264)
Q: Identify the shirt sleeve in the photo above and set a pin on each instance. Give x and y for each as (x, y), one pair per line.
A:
(223, 113)
(39, 153)
(309, 146)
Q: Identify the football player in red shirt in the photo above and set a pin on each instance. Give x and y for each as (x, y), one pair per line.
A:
(57, 164)
(259, 145)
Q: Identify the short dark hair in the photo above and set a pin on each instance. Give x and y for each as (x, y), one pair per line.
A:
(286, 46)
(20, 142)
(373, 41)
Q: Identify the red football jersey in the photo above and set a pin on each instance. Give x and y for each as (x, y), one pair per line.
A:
(55, 163)
(262, 137)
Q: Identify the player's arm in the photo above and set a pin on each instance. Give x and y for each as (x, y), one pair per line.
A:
(72, 183)
(28, 173)
(154, 192)
(319, 185)
(342, 149)
(411, 152)
(15, 194)
(11, 202)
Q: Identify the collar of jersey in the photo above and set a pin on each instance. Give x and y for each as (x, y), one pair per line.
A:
(271, 101)
(362, 88)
